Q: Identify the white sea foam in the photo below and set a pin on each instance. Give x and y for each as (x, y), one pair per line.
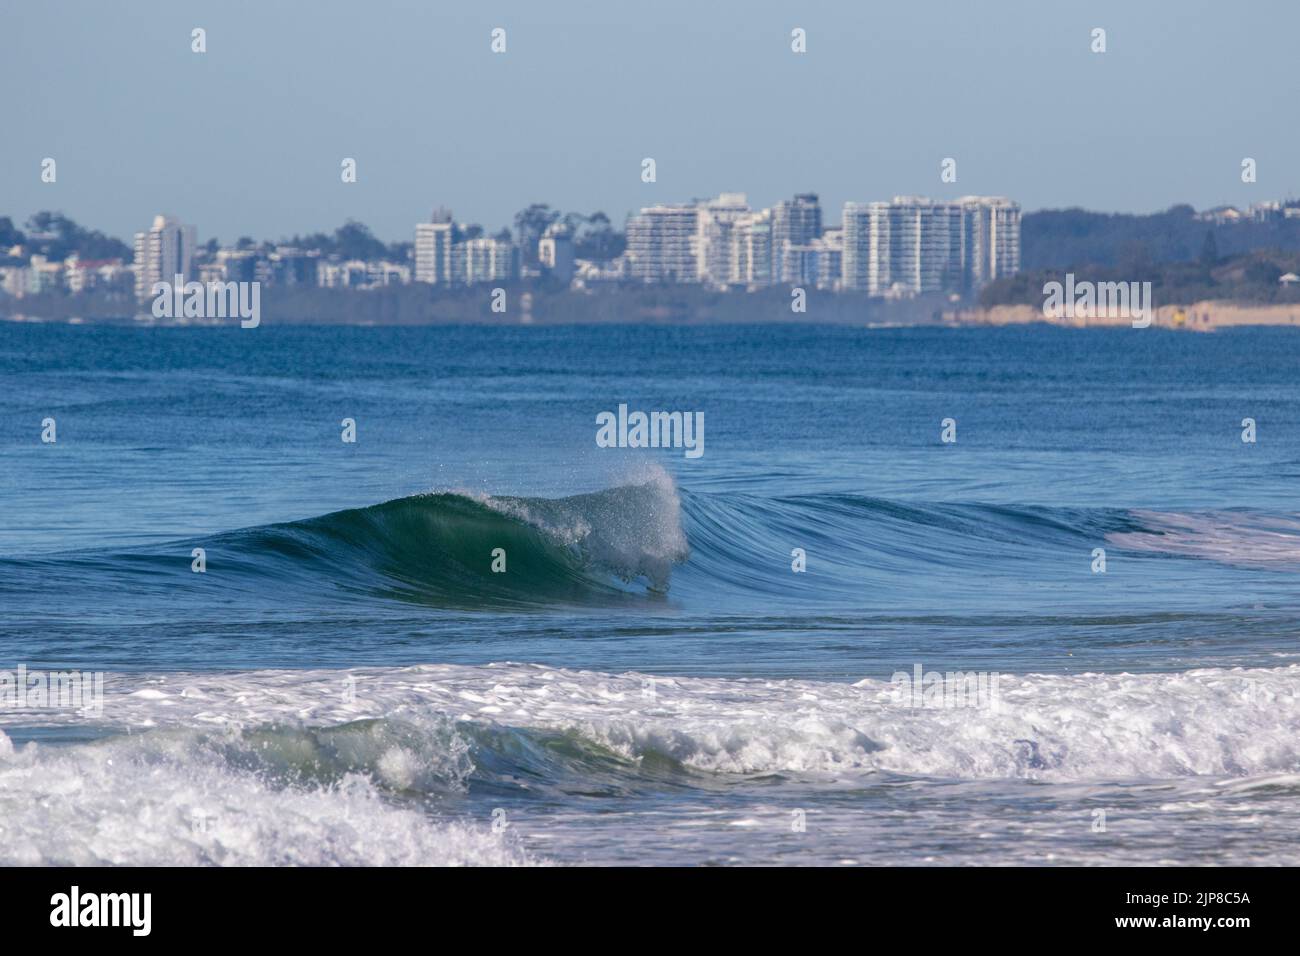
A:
(1231, 722)
(159, 799)
(308, 778)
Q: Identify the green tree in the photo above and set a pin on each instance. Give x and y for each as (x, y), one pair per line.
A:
(1209, 250)
(530, 223)
(353, 240)
(598, 240)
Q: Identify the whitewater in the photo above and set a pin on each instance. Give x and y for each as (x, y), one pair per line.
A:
(384, 766)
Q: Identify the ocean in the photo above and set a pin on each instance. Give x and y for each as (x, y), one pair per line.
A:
(1066, 636)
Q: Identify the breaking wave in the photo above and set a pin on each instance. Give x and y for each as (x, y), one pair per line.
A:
(281, 767)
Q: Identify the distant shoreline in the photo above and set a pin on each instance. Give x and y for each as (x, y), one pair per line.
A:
(1198, 317)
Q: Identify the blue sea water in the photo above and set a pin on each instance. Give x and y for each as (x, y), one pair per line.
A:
(649, 681)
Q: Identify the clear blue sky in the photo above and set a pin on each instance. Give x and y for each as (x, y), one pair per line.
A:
(247, 138)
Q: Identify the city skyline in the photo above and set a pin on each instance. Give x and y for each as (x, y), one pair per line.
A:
(901, 248)
(249, 135)
(907, 246)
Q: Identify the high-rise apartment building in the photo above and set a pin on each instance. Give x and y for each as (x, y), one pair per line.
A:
(795, 222)
(433, 242)
(912, 245)
(925, 249)
(714, 223)
(992, 239)
(161, 254)
(860, 227)
(815, 264)
(489, 260)
(661, 244)
(750, 259)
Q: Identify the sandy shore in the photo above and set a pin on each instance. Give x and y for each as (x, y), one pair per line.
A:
(1199, 317)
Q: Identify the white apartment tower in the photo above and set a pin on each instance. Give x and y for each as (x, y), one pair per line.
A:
(925, 248)
(859, 240)
(795, 222)
(750, 259)
(817, 264)
(433, 242)
(912, 245)
(661, 244)
(715, 222)
(161, 254)
(991, 237)
(489, 260)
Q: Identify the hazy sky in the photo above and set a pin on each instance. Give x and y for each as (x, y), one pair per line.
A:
(247, 138)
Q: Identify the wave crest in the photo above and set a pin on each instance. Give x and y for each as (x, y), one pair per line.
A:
(441, 547)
